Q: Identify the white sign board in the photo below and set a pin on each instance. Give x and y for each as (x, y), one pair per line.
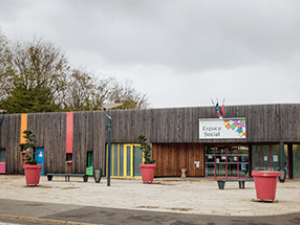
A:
(222, 128)
(197, 163)
(275, 158)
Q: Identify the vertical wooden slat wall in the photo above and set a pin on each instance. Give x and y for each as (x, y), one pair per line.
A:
(173, 133)
(10, 140)
(172, 157)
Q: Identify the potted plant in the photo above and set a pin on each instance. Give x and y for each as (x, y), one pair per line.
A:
(32, 170)
(148, 166)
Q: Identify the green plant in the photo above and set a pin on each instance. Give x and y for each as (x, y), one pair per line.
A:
(146, 150)
(29, 147)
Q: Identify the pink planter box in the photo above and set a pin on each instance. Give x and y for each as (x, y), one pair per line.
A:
(265, 184)
(32, 174)
(147, 172)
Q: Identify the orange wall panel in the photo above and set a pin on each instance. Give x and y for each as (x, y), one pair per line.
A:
(23, 127)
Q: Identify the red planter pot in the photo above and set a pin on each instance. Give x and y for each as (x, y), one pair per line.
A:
(32, 173)
(147, 172)
(265, 184)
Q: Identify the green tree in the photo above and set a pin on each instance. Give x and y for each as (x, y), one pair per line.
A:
(34, 77)
(146, 150)
(23, 100)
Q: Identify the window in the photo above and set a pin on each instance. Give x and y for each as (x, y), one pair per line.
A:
(230, 161)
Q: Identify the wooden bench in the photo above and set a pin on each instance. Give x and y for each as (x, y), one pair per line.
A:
(221, 183)
(50, 175)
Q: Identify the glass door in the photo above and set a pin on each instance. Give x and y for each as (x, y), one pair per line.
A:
(232, 168)
(243, 158)
(128, 163)
(125, 160)
(266, 158)
(220, 161)
(256, 157)
(209, 161)
(296, 161)
(266, 166)
(137, 160)
(134, 157)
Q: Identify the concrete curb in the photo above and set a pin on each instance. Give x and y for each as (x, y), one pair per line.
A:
(39, 220)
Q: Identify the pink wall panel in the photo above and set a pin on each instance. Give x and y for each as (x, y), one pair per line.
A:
(69, 135)
(2, 167)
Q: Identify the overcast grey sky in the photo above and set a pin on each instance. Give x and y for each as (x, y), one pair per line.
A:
(180, 53)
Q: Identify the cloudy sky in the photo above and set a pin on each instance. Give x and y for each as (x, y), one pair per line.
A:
(180, 53)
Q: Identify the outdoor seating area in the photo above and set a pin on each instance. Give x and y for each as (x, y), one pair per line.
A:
(221, 183)
(67, 176)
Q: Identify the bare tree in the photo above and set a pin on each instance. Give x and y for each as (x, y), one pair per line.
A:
(126, 94)
(37, 74)
(4, 55)
(89, 93)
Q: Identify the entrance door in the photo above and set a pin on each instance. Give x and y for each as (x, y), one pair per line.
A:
(266, 158)
(137, 160)
(134, 157)
(39, 157)
(220, 161)
(125, 160)
(296, 161)
(209, 161)
(232, 161)
(2, 161)
(129, 160)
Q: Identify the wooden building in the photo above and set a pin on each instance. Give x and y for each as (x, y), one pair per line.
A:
(68, 141)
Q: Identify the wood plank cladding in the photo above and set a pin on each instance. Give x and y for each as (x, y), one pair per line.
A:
(172, 157)
(265, 123)
(69, 135)
(174, 133)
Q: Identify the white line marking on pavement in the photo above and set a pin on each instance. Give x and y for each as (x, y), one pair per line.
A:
(10, 223)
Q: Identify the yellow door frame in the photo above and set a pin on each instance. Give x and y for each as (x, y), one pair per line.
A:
(124, 161)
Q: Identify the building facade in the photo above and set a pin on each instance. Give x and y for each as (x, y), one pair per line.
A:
(246, 139)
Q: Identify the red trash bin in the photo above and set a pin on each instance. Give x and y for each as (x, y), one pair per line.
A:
(265, 184)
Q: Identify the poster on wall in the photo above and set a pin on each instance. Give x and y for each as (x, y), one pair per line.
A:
(222, 128)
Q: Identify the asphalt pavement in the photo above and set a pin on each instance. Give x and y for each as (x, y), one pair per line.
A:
(129, 201)
(25, 212)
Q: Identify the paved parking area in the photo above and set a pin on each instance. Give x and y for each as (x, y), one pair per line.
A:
(190, 196)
